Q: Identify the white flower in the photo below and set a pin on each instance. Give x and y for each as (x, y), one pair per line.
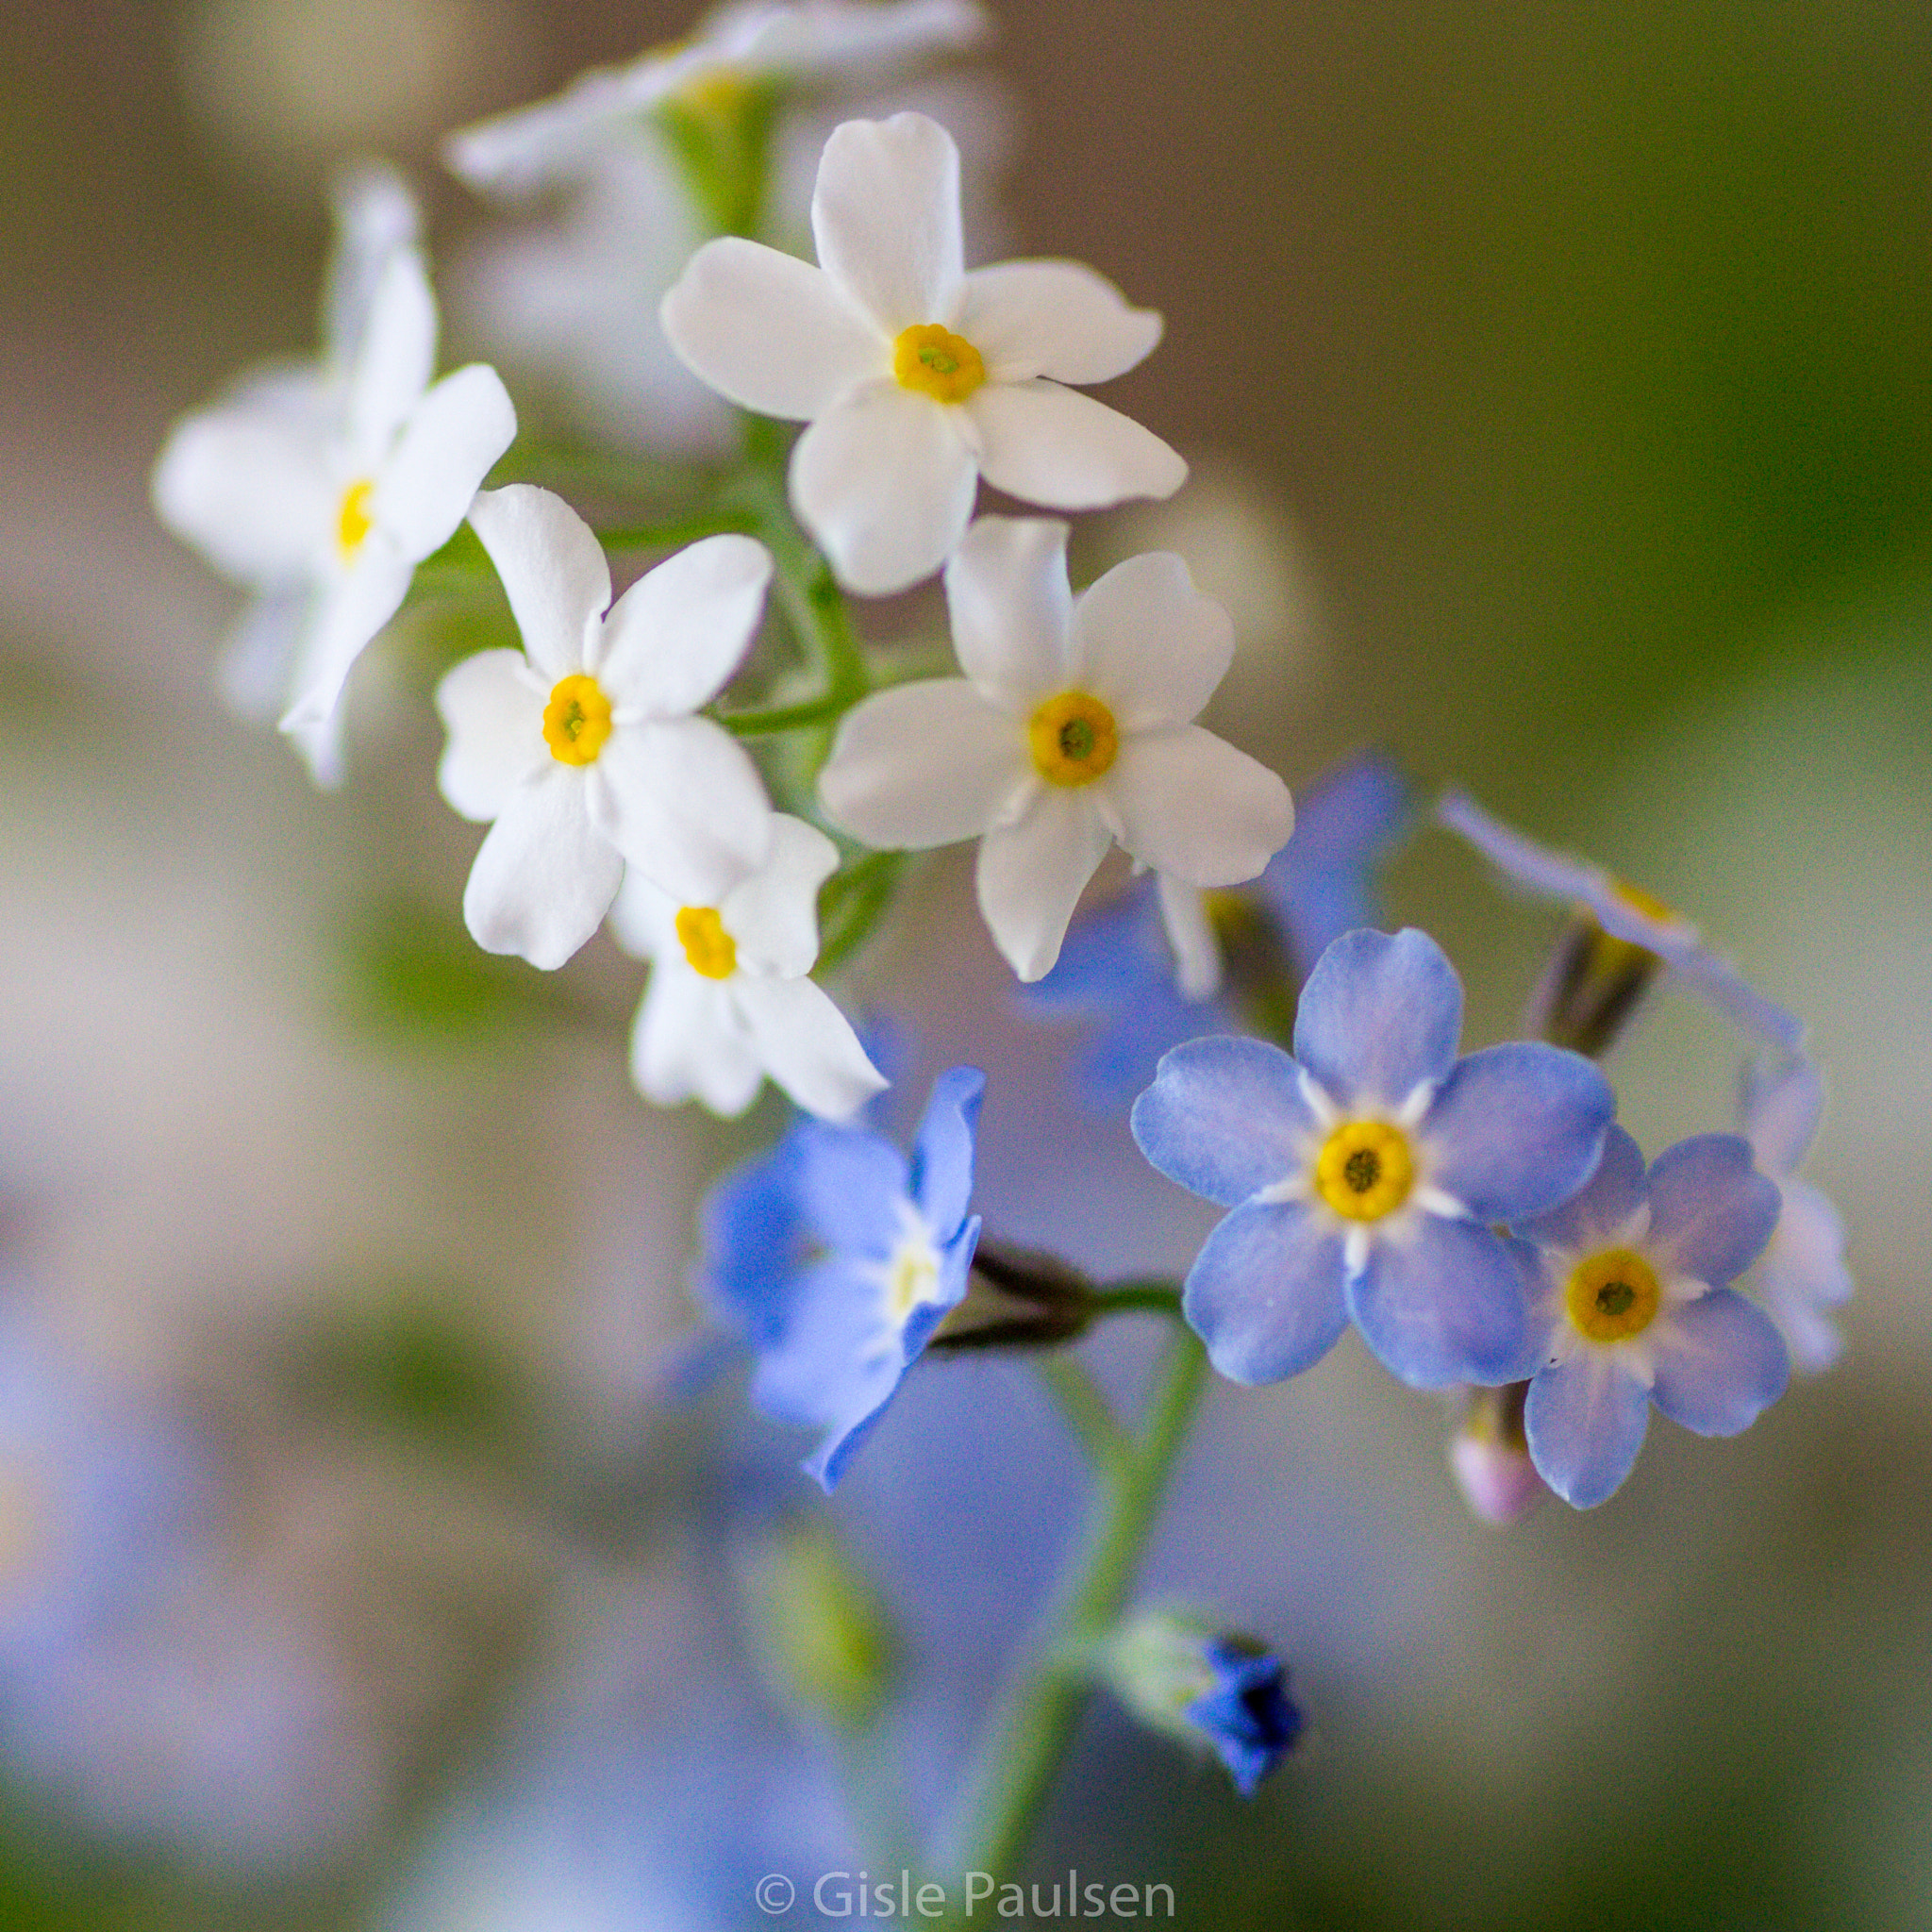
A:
(582, 747)
(730, 1003)
(1072, 728)
(323, 487)
(752, 44)
(916, 377)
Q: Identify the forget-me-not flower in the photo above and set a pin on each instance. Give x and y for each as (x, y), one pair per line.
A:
(1125, 969)
(1634, 1310)
(837, 1258)
(1629, 913)
(1802, 1274)
(1366, 1171)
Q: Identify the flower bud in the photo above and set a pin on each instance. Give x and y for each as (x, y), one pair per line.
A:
(1591, 987)
(1489, 1456)
(1221, 1692)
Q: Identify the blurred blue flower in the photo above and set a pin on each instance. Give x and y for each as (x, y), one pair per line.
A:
(1364, 1173)
(1146, 970)
(836, 1258)
(1634, 1309)
(1248, 1717)
(1801, 1273)
(1629, 913)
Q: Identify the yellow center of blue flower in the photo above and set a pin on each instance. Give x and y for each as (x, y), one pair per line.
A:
(1365, 1169)
(1612, 1295)
(936, 364)
(912, 1278)
(1074, 738)
(353, 520)
(709, 948)
(576, 720)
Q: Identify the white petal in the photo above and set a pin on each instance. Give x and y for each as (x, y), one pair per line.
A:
(808, 1045)
(1032, 876)
(774, 916)
(1054, 318)
(886, 217)
(348, 614)
(687, 1042)
(1190, 933)
(448, 447)
(259, 656)
(320, 742)
(1010, 604)
(395, 358)
(553, 569)
(251, 489)
(545, 876)
(682, 629)
(683, 802)
(1055, 446)
(924, 764)
(770, 333)
(1187, 803)
(885, 483)
(494, 718)
(374, 215)
(643, 917)
(1150, 644)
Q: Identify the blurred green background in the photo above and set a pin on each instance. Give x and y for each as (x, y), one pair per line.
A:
(1579, 361)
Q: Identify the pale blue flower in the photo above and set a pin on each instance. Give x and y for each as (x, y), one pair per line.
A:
(1118, 967)
(1634, 1309)
(1801, 1273)
(837, 1258)
(1366, 1171)
(1629, 913)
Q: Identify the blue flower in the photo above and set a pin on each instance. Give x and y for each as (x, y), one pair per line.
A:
(1634, 1309)
(1629, 913)
(1801, 1273)
(1148, 967)
(1248, 1717)
(836, 1258)
(1364, 1173)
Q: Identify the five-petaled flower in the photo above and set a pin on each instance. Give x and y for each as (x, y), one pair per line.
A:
(917, 379)
(581, 747)
(1634, 1309)
(324, 490)
(1627, 913)
(1073, 727)
(1366, 1171)
(730, 1001)
(1802, 1275)
(837, 1258)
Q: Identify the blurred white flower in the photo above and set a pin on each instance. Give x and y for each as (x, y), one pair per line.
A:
(323, 489)
(582, 746)
(731, 1002)
(1072, 728)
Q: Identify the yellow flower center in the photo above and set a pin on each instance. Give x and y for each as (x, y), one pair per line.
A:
(709, 948)
(1074, 738)
(576, 720)
(912, 1276)
(717, 94)
(936, 364)
(1365, 1169)
(1612, 1295)
(353, 520)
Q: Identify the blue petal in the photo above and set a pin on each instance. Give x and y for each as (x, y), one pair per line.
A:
(1265, 1294)
(755, 1242)
(837, 1351)
(1225, 1118)
(942, 1172)
(1449, 1304)
(1318, 884)
(851, 1183)
(1517, 1130)
(1248, 1717)
(1585, 1421)
(1720, 1364)
(1378, 1015)
(1802, 1273)
(1779, 1110)
(1711, 1212)
(1589, 1220)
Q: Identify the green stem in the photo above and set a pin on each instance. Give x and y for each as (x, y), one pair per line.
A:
(1087, 1410)
(768, 720)
(1038, 1722)
(1157, 1297)
(722, 521)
